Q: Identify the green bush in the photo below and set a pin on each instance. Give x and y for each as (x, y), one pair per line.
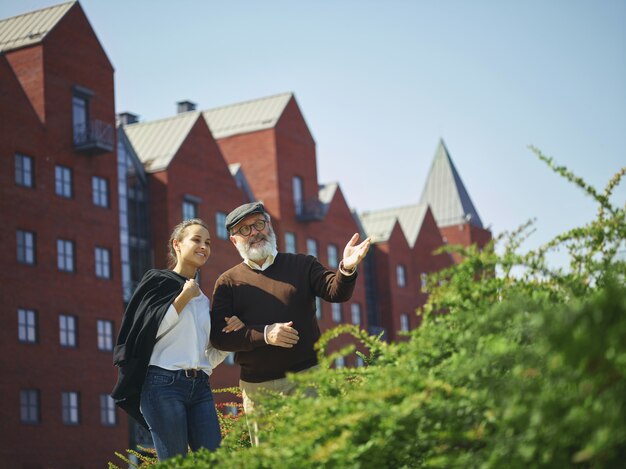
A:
(516, 364)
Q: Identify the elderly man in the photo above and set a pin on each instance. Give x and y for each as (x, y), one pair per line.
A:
(274, 295)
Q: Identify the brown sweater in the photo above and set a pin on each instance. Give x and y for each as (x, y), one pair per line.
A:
(283, 292)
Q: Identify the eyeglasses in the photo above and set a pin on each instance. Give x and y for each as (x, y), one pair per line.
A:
(245, 230)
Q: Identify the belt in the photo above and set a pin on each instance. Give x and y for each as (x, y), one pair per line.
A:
(193, 373)
(190, 373)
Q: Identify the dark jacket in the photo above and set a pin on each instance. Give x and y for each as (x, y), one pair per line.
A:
(153, 296)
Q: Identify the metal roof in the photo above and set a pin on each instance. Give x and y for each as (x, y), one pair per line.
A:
(30, 28)
(248, 116)
(445, 193)
(378, 224)
(157, 142)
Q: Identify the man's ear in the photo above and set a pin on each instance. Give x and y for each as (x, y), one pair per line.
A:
(233, 240)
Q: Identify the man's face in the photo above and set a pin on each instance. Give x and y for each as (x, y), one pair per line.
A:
(257, 241)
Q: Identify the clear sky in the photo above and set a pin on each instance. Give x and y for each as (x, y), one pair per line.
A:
(380, 82)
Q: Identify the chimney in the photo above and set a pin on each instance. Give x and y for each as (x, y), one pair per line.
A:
(185, 106)
(125, 118)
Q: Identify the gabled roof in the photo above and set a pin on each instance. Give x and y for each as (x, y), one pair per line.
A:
(30, 28)
(157, 142)
(445, 193)
(248, 116)
(378, 224)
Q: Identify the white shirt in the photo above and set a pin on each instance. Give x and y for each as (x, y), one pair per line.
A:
(185, 344)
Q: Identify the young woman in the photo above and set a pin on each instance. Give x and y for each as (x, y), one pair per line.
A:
(163, 350)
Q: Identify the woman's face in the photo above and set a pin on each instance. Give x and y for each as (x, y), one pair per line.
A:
(194, 248)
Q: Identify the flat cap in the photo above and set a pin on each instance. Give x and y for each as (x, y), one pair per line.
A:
(242, 212)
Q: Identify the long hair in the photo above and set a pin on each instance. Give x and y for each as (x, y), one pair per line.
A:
(178, 234)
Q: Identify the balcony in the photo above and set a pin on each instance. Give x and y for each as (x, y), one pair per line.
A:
(311, 210)
(93, 138)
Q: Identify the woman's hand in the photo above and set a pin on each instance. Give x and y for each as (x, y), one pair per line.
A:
(233, 323)
(191, 289)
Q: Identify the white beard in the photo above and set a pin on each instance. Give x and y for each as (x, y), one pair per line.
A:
(260, 251)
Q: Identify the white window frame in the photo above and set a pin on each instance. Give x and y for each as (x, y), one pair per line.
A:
(68, 330)
(355, 313)
(24, 170)
(26, 245)
(220, 225)
(297, 190)
(108, 412)
(65, 255)
(70, 404)
(336, 312)
(290, 242)
(100, 191)
(102, 258)
(311, 247)
(63, 181)
(27, 326)
(333, 253)
(105, 335)
(30, 406)
(401, 275)
(189, 209)
(404, 322)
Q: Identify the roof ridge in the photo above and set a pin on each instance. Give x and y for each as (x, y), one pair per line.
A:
(163, 119)
(39, 10)
(241, 103)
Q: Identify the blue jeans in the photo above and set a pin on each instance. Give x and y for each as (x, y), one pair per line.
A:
(180, 411)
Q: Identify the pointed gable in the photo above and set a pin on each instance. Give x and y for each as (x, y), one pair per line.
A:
(379, 224)
(157, 142)
(445, 193)
(30, 28)
(248, 116)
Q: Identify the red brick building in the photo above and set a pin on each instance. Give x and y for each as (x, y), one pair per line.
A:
(85, 210)
(60, 287)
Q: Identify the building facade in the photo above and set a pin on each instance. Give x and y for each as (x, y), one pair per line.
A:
(87, 206)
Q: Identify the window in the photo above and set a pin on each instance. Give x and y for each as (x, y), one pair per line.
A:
(190, 209)
(70, 406)
(355, 309)
(333, 262)
(67, 331)
(63, 181)
(27, 326)
(340, 362)
(290, 242)
(105, 335)
(108, 414)
(404, 322)
(65, 255)
(359, 361)
(336, 311)
(423, 281)
(311, 247)
(25, 247)
(29, 406)
(100, 189)
(318, 307)
(220, 225)
(401, 275)
(24, 171)
(80, 114)
(230, 359)
(103, 263)
(297, 194)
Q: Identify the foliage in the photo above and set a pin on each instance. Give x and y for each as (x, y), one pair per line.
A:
(526, 368)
